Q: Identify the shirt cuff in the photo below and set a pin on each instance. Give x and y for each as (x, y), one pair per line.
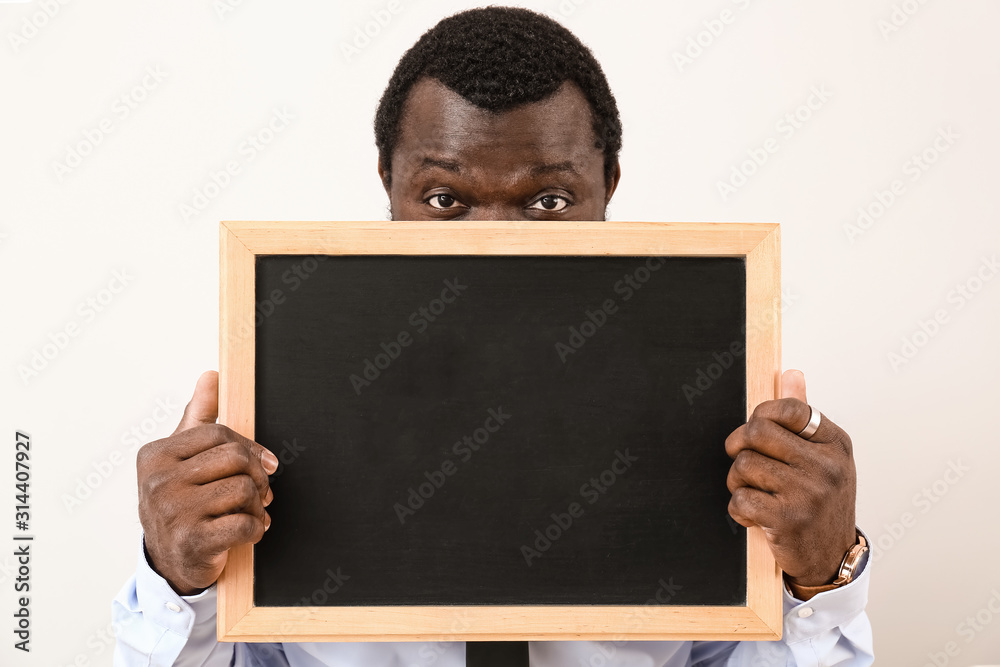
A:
(828, 609)
(163, 606)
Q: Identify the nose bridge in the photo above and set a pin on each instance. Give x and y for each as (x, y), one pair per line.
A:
(499, 194)
(496, 211)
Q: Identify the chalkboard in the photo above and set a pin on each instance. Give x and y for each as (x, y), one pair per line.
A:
(497, 431)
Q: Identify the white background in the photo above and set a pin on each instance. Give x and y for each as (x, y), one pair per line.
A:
(852, 300)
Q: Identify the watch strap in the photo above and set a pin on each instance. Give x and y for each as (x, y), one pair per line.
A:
(806, 592)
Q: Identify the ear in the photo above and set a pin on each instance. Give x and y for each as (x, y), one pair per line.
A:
(383, 176)
(612, 183)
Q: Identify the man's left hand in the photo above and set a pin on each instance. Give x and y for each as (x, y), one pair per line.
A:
(800, 492)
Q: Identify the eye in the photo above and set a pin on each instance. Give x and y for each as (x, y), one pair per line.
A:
(554, 203)
(441, 201)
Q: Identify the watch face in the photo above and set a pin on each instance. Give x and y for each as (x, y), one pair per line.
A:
(862, 563)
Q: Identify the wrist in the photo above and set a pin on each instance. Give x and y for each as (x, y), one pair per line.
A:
(852, 562)
(177, 586)
(825, 572)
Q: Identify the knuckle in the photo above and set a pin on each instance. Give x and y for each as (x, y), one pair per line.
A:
(744, 463)
(248, 528)
(217, 432)
(156, 483)
(151, 454)
(756, 429)
(734, 439)
(247, 488)
(788, 409)
(730, 443)
(847, 442)
(734, 508)
(167, 509)
(235, 456)
(762, 410)
(143, 457)
(151, 482)
(732, 480)
(741, 499)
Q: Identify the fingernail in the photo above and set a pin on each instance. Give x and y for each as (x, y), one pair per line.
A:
(267, 521)
(268, 498)
(270, 462)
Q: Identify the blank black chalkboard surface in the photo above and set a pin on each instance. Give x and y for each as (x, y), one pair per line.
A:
(498, 430)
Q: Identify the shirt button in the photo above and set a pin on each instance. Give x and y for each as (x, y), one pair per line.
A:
(175, 608)
(805, 612)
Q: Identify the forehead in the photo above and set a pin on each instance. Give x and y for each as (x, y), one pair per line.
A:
(438, 121)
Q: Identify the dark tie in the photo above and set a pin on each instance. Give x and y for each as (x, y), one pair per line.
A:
(496, 654)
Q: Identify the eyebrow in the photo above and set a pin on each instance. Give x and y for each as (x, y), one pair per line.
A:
(537, 170)
(543, 169)
(448, 165)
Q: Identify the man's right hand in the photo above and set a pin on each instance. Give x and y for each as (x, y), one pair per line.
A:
(201, 491)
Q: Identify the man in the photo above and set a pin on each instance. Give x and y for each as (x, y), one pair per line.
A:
(495, 114)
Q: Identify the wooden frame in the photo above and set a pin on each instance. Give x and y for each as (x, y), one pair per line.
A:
(241, 242)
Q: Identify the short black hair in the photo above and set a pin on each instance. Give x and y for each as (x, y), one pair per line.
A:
(498, 58)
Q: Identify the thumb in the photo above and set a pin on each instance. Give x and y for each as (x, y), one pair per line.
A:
(793, 385)
(204, 405)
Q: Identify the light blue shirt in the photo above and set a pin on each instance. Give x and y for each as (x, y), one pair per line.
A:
(156, 627)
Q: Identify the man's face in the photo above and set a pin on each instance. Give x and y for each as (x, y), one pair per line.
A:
(456, 161)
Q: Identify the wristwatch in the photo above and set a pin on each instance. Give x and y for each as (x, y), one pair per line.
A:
(852, 563)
